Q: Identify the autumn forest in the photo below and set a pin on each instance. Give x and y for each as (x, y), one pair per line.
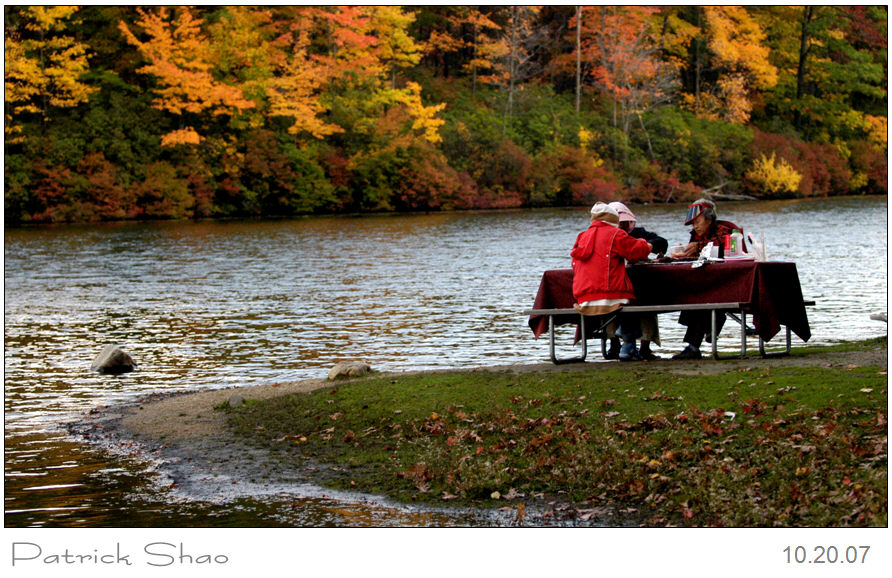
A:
(126, 112)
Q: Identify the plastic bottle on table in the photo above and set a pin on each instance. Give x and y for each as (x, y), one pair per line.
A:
(736, 242)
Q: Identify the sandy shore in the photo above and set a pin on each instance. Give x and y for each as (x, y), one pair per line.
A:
(183, 417)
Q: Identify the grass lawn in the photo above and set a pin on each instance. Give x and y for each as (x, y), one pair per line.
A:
(752, 446)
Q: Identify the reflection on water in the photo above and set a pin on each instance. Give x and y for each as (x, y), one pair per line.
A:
(219, 304)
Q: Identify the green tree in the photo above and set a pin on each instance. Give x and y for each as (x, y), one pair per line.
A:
(834, 57)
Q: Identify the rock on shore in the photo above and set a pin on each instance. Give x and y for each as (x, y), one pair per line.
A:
(349, 369)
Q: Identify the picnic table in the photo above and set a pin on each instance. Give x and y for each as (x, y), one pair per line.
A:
(769, 291)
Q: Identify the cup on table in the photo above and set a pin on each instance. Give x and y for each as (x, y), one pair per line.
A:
(677, 251)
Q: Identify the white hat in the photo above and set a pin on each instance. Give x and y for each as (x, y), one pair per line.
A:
(602, 212)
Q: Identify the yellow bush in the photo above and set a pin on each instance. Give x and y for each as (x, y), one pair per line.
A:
(775, 175)
(585, 137)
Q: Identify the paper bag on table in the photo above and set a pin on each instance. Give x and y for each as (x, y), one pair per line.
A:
(755, 248)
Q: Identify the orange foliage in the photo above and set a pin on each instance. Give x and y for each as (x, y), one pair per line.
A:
(180, 58)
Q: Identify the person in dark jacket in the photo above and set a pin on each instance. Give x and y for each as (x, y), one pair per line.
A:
(705, 228)
(650, 331)
(627, 222)
(600, 282)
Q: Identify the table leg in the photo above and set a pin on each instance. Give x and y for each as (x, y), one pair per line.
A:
(781, 353)
(554, 358)
(715, 337)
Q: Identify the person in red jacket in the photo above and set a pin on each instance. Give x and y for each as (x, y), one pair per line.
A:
(600, 282)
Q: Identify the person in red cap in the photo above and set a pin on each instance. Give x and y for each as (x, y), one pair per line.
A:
(705, 228)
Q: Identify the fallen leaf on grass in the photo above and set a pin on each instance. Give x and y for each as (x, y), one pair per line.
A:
(513, 494)
(587, 515)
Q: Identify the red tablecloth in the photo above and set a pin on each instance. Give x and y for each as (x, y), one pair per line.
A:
(771, 288)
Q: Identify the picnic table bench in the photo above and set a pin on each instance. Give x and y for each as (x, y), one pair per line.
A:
(769, 291)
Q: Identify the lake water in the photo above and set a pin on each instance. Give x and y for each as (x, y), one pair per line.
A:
(219, 304)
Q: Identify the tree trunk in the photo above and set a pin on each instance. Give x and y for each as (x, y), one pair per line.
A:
(697, 65)
(578, 56)
(807, 16)
(512, 70)
(474, 68)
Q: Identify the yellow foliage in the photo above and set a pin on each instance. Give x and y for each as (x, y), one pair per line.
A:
(775, 175)
(878, 130)
(585, 137)
(186, 136)
(46, 18)
(294, 93)
(728, 102)
(736, 106)
(425, 116)
(46, 69)
(180, 57)
(738, 42)
(858, 181)
(395, 46)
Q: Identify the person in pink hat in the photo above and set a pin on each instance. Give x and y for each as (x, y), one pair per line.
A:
(650, 331)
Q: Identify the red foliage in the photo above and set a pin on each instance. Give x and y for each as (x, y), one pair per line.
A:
(203, 193)
(109, 199)
(872, 162)
(575, 178)
(506, 179)
(50, 186)
(602, 186)
(429, 183)
(164, 194)
(498, 199)
(864, 27)
(337, 170)
(266, 172)
(652, 183)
